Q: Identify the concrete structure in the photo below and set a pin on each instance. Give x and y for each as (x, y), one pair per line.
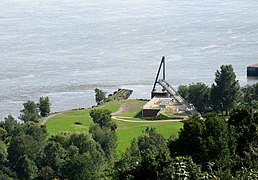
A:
(159, 93)
(252, 70)
(154, 106)
(173, 93)
(162, 92)
(162, 98)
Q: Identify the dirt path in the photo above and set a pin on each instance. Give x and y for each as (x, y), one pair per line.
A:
(120, 110)
(50, 116)
(126, 106)
(119, 118)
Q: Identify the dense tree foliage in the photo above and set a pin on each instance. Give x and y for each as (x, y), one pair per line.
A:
(102, 117)
(30, 112)
(207, 147)
(226, 90)
(9, 125)
(99, 95)
(26, 149)
(70, 156)
(103, 131)
(44, 106)
(223, 95)
(249, 95)
(143, 159)
(3, 154)
(148, 157)
(33, 111)
(198, 94)
(244, 122)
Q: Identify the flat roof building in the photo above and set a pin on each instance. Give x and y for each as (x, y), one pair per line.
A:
(154, 106)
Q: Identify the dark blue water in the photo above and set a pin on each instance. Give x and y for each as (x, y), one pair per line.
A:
(65, 48)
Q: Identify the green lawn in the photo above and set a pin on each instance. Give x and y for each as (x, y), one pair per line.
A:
(111, 106)
(65, 122)
(126, 131)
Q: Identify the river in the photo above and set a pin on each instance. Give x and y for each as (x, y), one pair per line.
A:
(64, 49)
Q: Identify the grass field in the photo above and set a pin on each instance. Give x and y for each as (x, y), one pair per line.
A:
(126, 131)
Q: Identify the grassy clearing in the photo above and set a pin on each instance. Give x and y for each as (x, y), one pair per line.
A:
(126, 130)
(65, 122)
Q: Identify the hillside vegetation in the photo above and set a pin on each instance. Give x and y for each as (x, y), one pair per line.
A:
(126, 131)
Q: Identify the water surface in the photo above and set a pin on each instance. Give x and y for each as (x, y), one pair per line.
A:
(65, 48)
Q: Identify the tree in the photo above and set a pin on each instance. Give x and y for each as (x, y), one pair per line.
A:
(4, 176)
(198, 94)
(190, 141)
(32, 129)
(84, 143)
(183, 90)
(248, 174)
(103, 118)
(249, 95)
(217, 142)
(44, 106)
(73, 156)
(225, 92)
(27, 168)
(205, 140)
(26, 149)
(9, 125)
(146, 158)
(30, 112)
(80, 167)
(2, 134)
(54, 156)
(152, 140)
(245, 123)
(3, 154)
(106, 138)
(99, 95)
(103, 131)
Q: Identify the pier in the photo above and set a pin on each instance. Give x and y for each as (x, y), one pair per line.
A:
(166, 91)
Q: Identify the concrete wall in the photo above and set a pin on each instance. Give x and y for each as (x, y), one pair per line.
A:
(150, 104)
(150, 112)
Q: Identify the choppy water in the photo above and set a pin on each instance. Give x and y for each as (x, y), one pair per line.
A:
(65, 48)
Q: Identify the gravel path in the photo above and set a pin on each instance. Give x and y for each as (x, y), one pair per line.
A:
(50, 116)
